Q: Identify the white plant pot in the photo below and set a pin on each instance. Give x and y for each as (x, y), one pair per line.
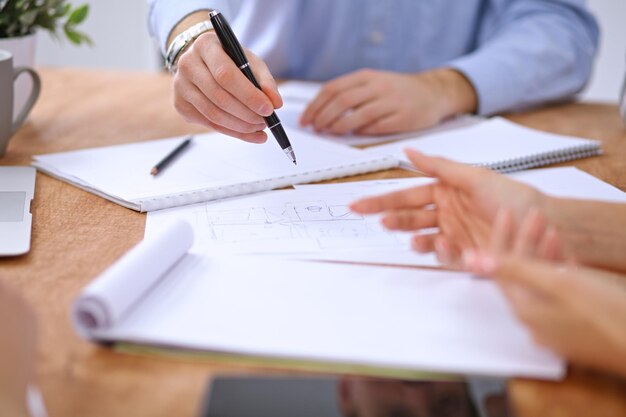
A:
(23, 50)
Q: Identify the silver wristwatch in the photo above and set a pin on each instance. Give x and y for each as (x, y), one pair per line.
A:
(182, 41)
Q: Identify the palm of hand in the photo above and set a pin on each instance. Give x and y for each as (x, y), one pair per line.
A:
(463, 222)
(465, 217)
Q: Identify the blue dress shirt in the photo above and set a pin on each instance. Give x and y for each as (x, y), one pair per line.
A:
(516, 53)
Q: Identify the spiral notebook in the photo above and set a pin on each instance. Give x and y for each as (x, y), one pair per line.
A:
(162, 295)
(213, 167)
(497, 144)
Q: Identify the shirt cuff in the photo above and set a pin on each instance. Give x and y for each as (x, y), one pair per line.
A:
(492, 81)
(164, 15)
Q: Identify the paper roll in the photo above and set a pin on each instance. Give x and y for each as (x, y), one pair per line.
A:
(114, 293)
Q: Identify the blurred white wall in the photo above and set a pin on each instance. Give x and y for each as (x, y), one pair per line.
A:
(120, 33)
(610, 66)
(119, 30)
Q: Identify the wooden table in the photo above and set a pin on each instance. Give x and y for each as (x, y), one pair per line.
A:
(76, 235)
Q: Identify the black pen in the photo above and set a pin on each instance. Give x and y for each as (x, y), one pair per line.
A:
(233, 49)
(170, 157)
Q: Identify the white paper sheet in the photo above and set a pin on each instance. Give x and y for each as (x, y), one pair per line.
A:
(571, 182)
(281, 222)
(313, 222)
(292, 223)
(387, 317)
(565, 182)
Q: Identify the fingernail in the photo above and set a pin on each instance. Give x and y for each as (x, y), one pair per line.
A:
(443, 254)
(487, 264)
(260, 138)
(266, 110)
(387, 222)
(360, 207)
(469, 259)
(417, 246)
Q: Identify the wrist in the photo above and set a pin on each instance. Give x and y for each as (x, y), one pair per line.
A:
(186, 23)
(457, 93)
(182, 43)
(581, 235)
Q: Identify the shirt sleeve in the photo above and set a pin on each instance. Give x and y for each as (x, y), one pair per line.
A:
(163, 15)
(530, 51)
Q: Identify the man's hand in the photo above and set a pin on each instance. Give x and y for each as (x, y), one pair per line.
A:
(462, 204)
(370, 102)
(211, 91)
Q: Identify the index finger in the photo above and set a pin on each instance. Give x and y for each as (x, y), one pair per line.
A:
(231, 79)
(330, 90)
(453, 173)
(414, 197)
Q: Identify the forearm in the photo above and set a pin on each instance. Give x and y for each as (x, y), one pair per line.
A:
(593, 232)
(509, 60)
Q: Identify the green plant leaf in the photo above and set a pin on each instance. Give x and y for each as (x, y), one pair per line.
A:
(76, 37)
(72, 35)
(22, 17)
(79, 14)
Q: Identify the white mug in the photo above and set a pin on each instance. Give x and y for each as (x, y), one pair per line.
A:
(9, 122)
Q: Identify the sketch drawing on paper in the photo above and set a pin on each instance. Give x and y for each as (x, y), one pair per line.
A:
(329, 226)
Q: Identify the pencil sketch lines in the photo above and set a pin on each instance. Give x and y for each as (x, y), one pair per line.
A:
(326, 226)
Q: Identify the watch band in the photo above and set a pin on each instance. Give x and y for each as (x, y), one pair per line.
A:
(182, 41)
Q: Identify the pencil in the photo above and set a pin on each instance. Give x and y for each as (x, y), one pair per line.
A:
(170, 157)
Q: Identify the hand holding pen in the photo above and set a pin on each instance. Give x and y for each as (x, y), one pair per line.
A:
(236, 53)
(211, 91)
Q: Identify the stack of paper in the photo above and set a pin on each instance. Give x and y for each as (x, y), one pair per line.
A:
(383, 317)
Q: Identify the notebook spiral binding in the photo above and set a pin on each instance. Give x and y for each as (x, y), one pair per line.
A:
(532, 161)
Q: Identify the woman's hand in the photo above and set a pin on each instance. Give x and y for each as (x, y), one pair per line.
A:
(462, 204)
(577, 312)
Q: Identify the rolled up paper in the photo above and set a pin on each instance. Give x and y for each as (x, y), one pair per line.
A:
(114, 293)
